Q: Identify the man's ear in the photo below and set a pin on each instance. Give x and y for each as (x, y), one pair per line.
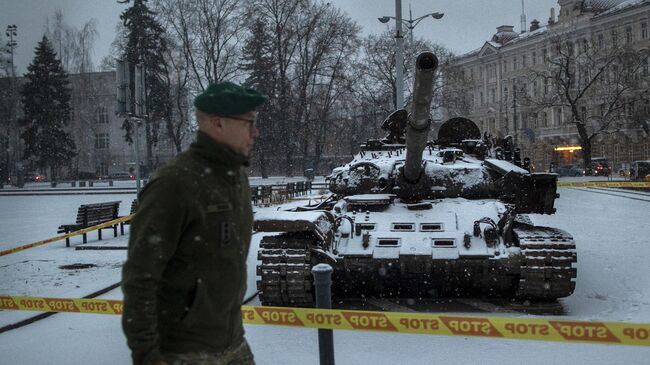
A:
(217, 123)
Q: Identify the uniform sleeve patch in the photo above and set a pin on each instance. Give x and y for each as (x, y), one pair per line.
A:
(220, 207)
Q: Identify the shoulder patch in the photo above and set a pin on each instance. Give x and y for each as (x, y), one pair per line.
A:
(220, 207)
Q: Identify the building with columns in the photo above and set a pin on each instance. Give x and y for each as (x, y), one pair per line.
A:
(502, 86)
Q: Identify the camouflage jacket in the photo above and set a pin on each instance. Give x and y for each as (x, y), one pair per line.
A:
(185, 276)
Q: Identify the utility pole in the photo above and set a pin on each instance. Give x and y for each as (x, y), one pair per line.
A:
(399, 57)
(134, 110)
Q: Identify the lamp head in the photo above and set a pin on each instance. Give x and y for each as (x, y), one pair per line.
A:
(384, 19)
(437, 15)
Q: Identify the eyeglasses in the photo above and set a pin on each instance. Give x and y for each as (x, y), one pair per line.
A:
(250, 121)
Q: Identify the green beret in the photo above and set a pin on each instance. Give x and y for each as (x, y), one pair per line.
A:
(226, 98)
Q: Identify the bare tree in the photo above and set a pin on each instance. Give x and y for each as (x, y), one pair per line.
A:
(178, 125)
(456, 90)
(322, 73)
(598, 84)
(73, 46)
(377, 68)
(209, 33)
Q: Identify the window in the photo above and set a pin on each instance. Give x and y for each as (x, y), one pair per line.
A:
(524, 61)
(102, 115)
(628, 34)
(493, 95)
(544, 55)
(534, 58)
(482, 99)
(644, 30)
(403, 227)
(544, 120)
(514, 64)
(614, 38)
(644, 68)
(431, 227)
(557, 119)
(101, 141)
(545, 86)
(601, 41)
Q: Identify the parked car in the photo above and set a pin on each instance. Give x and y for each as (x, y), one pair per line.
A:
(121, 176)
(569, 170)
(34, 177)
(600, 166)
(640, 170)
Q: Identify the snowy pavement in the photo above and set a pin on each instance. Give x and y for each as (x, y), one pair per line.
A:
(613, 284)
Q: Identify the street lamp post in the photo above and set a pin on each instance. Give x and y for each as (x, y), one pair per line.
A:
(399, 55)
(11, 32)
(514, 112)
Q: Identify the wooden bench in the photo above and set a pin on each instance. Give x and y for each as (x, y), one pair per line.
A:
(134, 206)
(89, 215)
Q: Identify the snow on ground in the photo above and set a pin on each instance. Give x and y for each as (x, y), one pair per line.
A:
(613, 285)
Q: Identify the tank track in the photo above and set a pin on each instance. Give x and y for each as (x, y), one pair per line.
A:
(285, 271)
(548, 265)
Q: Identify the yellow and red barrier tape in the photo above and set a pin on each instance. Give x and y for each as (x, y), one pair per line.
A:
(64, 236)
(605, 184)
(618, 333)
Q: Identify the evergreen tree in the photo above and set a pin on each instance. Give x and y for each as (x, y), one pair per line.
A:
(260, 67)
(146, 43)
(46, 103)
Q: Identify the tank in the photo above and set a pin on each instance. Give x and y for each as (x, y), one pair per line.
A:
(412, 217)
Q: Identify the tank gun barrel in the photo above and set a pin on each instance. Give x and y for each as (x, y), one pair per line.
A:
(419, 124)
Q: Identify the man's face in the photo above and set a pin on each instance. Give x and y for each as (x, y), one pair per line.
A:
(239, 132)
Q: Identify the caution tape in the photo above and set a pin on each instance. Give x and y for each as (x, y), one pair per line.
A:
(619, 333)
(606, 184)
(67, 235)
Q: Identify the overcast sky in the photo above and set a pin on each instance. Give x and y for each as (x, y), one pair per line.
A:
(465, 26)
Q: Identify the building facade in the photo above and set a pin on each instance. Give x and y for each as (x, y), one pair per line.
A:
(502, 86)
(97, 131)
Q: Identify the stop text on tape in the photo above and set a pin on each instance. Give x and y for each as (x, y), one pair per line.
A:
(618, 333)
(604, 184)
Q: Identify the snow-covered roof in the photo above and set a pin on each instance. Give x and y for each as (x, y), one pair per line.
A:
(600, 5)
(623, 5)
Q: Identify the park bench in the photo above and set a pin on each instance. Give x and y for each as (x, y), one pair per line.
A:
(89, 215)
(134, 206)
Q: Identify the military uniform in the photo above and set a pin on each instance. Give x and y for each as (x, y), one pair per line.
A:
(185, 276)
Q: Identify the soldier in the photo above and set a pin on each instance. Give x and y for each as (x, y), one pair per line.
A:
(185, 276)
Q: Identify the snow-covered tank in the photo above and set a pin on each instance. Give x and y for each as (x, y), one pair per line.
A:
(412, 217)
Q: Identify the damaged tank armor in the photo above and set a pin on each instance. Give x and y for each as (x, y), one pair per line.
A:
(412, 217)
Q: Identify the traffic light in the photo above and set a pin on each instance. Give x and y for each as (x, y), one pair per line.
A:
(126, 104)
(123, 88)
(140, 91)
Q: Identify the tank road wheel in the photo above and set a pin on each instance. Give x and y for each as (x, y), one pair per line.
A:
(548, 264)
(285, 271)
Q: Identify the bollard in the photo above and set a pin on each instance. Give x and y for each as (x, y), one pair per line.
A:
(323, 283)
